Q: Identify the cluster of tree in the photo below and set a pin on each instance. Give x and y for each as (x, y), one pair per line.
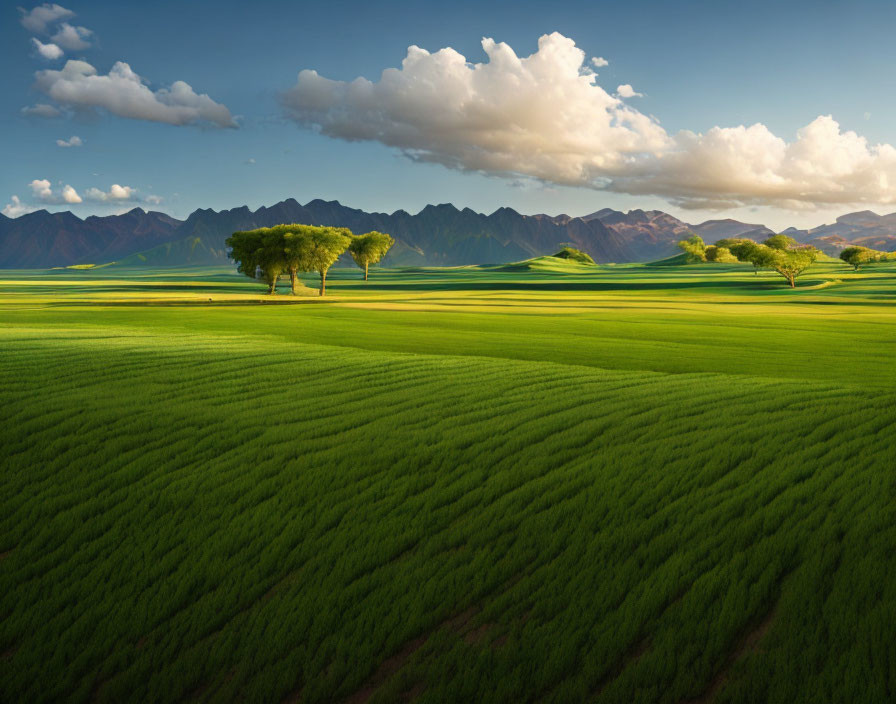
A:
(778, 253)
(856, 256)
(573, 254)
(698, 251)
(270, 252)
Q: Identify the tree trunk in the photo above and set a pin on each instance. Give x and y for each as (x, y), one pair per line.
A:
(792, 282)
(323, 282)
(273, 288)
(365, 271)
(293, 277)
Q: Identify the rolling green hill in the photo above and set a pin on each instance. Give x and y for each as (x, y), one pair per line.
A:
(546, 265)
(624, 484)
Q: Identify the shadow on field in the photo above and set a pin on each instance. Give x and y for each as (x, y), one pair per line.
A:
(578, 285)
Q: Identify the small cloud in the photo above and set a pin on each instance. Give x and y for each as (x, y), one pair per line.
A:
(70, 195)
(42, 190)
(867, 115)
(250, 160)
(154, 199)
(75, 141)
(626, 91)
(16, 207)
(124, 93)
(50, 51)
(71, 37)
(599, 62)
(41, 110)
(115, 193)
(37, 19)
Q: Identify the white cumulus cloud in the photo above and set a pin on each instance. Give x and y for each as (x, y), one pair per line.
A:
(115, 193)
(599, 61)
(36, 20)
(545, 116)
(626, 91)
(540, 115)
(16, 207)
(122, 92)
(43, 191)
(70, 195)
(71, 37)
(41, 110)
(48, 51)
(75, 141)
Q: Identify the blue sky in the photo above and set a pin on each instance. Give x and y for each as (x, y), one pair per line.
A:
(698, 66)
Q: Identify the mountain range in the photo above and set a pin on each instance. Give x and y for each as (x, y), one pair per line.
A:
(437, 235)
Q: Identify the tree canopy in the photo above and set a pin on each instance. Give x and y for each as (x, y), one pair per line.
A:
(780, 242)
(722, 255)
(694, 247)
(856, 256)
(370, 248)
(793, 261)
(320, 249)
(779, 253)
(258, 255)
(268, 252)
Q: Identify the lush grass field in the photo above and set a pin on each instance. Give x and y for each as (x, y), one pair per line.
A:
(535, 483)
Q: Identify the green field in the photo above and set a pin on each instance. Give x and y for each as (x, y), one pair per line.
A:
(537, 482)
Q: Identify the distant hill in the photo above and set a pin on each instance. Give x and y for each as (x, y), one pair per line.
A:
(652, 233)
(713, 230)
(439, 235)
(43, 239)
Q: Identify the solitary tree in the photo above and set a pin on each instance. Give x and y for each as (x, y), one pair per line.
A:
(370, 248)
(790, 263)
(856, 256)
(694, 247)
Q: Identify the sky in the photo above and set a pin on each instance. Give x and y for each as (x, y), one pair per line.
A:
(775, 113)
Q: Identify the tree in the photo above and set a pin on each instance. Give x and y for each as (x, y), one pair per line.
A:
(318, 248)
(296, 249)
(780, 242)
(243, 248)
(779, 252)
(788, 262)
(721, 255)
(856, 256)
(745, 250)
(370, 248)
(271, 256)
(761, 257)
(694, 247)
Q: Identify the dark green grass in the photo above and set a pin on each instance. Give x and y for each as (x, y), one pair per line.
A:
(508, 498)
